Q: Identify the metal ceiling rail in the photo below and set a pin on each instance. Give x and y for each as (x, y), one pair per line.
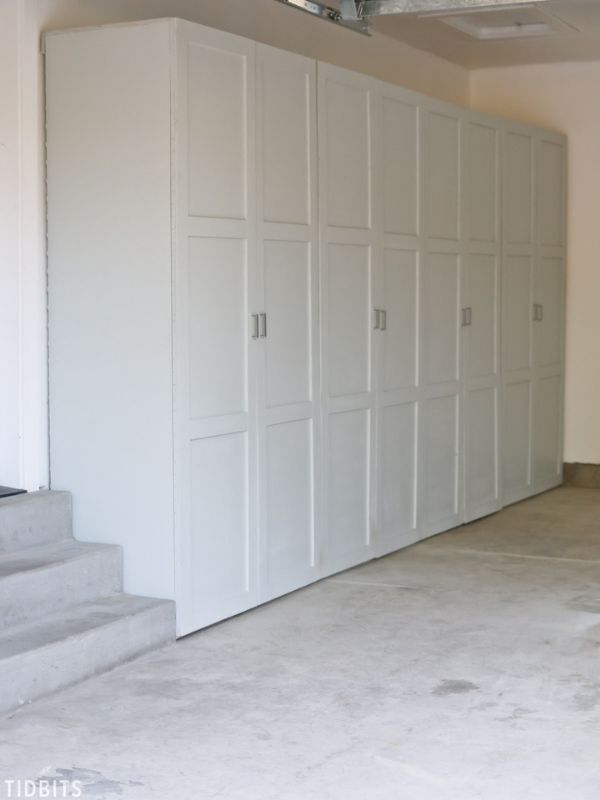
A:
(373, 8)
(355, 14)
(354, 22)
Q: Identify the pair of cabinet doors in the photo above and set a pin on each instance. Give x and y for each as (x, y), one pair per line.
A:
(338, 309)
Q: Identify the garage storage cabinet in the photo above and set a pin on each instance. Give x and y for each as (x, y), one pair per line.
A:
(299, 318)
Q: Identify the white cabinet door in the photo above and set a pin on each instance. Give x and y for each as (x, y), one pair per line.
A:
(288, 381)
(215, 413)
(518, 274)
(481, 318)
(441, 503)
(397, 129)
(347, 239)
(548, 323)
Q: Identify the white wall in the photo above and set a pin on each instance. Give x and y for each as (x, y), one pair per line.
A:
(9, 248)
(23, 418)
(23, 397)
(564, 97)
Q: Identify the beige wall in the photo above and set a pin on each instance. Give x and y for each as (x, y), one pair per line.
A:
(23, 396)
(564, 97)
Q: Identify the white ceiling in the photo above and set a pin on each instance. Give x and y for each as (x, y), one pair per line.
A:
(566, 44)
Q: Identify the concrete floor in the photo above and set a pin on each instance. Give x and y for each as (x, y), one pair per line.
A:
(465, 667)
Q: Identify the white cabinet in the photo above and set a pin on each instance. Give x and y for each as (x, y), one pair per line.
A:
(288, 278)
(549, 324)
(481, 318)
(441, 455)
(216, 361)
(348, 239)
(518, 255)
(247, 336)
(299, 318)
(533, 310)
(398, 250)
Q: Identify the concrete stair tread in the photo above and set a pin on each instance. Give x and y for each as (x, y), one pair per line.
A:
(63, 614)
(52, 577)
(41, 557)
(29, 520)
(74, 622)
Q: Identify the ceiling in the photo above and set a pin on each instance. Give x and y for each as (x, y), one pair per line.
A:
(574, 36)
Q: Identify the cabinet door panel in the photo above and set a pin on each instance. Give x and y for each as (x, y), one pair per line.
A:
(348, 481)
(483, 298)
(547, 430)
(518, 189)
(217, 140)
(481, 411)
(483, 188)
(348, 162)
(401, 159)
(349, 314)
(517, 313)
(219, 567)
(288, 299)
(398, 478)
(400, 291)
(217, 297)
(516, 439)
(551, 194)
(441, 317)
(443, 176)
(548, 331)
(290, 545)
(441, 454)
(287, 143)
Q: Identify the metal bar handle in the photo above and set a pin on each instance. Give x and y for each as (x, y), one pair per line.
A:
(262, 317)
(377, 315)
(383, 325)
(255, 329)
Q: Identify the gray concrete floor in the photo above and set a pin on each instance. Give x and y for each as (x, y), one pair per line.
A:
(465, 667)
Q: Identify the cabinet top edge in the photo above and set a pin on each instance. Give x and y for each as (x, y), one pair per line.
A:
(135, 23)
(327, 70)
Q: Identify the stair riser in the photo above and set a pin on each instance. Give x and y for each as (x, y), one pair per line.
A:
(29, 595)
(40, 672)
(34, 519)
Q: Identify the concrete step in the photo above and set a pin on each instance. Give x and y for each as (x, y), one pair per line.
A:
(48, 578)
(62, 649)
(28, 520)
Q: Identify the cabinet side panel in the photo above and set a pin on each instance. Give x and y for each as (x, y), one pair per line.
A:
(109, 247)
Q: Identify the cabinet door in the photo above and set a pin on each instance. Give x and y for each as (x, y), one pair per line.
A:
(441, 478)
(399, 259)
(215, 410)
(549, 320)
(347, 239)
(288, 410)
(518, 273)
(481, 320)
